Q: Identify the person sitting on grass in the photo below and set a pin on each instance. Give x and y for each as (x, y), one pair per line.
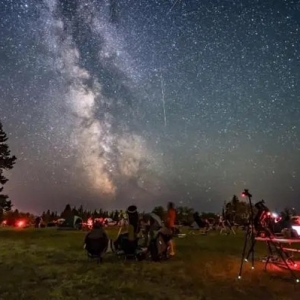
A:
(128, 240)
(161, 245)
(97, 231)
(96, 241)
(152, 224)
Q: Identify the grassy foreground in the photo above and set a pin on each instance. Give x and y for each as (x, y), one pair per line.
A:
(51, 264)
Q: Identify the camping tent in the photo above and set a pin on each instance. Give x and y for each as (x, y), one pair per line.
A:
(156, 218)
(73, 222)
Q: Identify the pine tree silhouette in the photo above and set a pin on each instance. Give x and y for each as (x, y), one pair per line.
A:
(7, 162)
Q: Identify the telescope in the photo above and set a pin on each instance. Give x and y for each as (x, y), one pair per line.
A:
(262, 219)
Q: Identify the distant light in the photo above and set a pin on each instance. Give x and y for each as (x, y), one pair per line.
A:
(278, 219)
(90, 222)
(274, 215)
(297, 229)
(20, 223)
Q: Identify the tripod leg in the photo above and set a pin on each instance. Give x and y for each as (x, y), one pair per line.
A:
(251, 250)
(243, 254)
(289, 257)
(253, 244)
(291, 260)
(281, 255)
(267, 262)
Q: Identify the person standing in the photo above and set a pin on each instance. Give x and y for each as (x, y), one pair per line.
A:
(37, 222)
(170, 224)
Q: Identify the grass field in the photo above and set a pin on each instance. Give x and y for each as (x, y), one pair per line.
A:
(51, 264)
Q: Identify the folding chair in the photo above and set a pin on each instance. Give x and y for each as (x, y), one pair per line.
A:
(96, 247)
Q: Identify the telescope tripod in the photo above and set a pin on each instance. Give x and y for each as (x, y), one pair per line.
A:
(249, 237)
(274, 244)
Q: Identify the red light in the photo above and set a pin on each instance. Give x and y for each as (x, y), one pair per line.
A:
(277, 219)
(243, 195)
(4, 222)
(20, 224)
(90, 223)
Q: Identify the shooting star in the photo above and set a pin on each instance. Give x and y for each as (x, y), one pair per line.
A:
(176, 1)
(163, 99)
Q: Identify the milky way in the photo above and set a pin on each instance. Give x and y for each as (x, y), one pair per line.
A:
(108, 103)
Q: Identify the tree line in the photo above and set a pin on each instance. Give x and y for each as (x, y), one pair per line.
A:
(236, 211)
(184, 214)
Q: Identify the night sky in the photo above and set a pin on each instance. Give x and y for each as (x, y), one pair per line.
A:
(113, 102)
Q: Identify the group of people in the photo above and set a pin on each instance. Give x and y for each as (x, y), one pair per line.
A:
(152, 225)
(146, 228)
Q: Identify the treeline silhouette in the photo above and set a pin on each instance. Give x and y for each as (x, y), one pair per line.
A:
(184, 214)
(237, 211)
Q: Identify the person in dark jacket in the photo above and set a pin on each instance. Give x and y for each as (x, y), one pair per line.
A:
(96, 241)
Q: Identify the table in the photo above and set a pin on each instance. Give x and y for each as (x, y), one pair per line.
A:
(278, 246)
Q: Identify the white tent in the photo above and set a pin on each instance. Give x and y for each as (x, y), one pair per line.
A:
(156, 218)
